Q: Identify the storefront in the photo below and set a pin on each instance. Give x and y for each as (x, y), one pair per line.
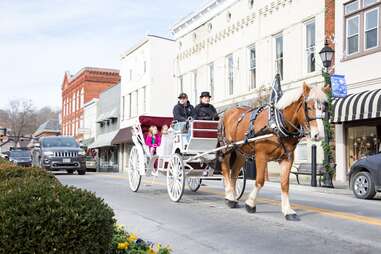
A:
(106, 153)
(357, 120)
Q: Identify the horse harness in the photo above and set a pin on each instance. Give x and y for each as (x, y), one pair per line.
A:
(276, 125)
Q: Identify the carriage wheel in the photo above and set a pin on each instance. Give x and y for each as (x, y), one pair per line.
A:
(176, 178)
(134, 177)
(241, 183)
(194, 183)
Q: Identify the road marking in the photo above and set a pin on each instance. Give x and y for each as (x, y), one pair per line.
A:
(323, 211)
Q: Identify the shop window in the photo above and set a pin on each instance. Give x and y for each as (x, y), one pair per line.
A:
(361, 141)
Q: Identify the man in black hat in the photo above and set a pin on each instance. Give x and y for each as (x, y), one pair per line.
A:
(205, 110)
(183, 109)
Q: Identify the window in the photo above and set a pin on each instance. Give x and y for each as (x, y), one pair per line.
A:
(279, 55)
(362, 31)
(195, 87)
(369, 2)
(351, 7)
(228, 16)
(144, 99)
(211, 78)
(123, 106)
(253, 68)
(310, 45)
(371, 29)
(251, 3)
(353, 27)
(144, 66)
(136, 103)
(130, 74)
(230, 63)
(129, 105)
(181, 84)
(82, 96)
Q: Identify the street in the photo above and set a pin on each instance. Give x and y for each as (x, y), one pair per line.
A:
(201, 223)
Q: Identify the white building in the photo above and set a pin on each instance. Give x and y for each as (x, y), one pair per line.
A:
(90, 121)
(147, 86)
(358, 55)
(233, 47)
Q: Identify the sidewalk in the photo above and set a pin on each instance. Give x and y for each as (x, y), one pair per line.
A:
(305, 185)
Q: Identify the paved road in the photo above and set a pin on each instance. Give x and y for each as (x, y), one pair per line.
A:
(201, 223)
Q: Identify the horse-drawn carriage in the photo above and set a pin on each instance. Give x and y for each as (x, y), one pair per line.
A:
(188, 156)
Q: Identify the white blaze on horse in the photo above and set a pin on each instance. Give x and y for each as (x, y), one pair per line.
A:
(299, 114)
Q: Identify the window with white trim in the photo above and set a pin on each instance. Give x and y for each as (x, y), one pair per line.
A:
(211, 78)
(279, 55)
(230, 70)
(311, 45)
(253, 67)
(195, 95)
(371, 28)
(362, 27)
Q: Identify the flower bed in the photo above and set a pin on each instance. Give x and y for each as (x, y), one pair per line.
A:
(126, 243)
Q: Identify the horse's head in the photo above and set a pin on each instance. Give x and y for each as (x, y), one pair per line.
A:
(307, 107)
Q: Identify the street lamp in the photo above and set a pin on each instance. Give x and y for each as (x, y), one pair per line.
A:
(326, 55)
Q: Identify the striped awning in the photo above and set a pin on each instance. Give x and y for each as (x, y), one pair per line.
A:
(359, 106)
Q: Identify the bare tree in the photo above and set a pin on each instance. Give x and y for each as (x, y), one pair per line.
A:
(21, 118)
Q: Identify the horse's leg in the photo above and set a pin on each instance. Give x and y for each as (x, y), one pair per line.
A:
(230, 199)
(285, 184)
(261, 165)
(236, 169)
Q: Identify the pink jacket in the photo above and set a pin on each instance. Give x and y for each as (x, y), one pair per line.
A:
(157, 141)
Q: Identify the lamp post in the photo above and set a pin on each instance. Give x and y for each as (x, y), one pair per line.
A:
(326, 55)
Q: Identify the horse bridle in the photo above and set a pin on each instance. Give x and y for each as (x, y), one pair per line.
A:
(307, 117)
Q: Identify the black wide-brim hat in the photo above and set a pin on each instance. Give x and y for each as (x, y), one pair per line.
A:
(205, 94)
(182, 95)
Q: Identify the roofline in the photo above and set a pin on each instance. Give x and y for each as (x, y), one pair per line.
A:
(90, 69)
(140, 43)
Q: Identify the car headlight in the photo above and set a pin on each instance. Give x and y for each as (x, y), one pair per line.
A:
(48, 154)
(82, 153)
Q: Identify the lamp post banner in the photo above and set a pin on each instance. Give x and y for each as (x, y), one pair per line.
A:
(339, 86)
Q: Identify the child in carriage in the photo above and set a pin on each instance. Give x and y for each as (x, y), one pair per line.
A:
(153, 139)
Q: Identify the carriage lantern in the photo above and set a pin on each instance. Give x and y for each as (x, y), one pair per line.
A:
(326, 55)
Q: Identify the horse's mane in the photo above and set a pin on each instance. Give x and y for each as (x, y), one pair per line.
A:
(316, 93)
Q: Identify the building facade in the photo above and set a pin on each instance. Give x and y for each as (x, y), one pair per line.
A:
(107, 126)
(357, 57)
(234, 48)
(79, 89)
(147, 86)
(90, 122)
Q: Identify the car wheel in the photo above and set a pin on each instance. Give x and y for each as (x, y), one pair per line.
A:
(81, 171)
(363, 185)
(70, 171)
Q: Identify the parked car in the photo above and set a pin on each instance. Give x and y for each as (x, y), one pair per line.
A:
(21, 157)
(365, 176)
(59, 153)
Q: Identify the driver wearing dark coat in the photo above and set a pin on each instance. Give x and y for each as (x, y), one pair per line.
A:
(205, 110)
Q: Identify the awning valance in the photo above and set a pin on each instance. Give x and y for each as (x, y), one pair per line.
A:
(123, 136)
(103, 140)
(359, 106)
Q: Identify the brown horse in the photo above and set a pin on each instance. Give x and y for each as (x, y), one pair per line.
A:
(301, 110)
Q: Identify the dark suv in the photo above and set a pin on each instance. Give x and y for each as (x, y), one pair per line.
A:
(20, 157)
(60, 153)
(365, 176)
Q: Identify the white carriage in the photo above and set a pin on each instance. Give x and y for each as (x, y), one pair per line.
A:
(186, 154)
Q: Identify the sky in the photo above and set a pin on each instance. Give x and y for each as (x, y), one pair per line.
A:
(41, 39)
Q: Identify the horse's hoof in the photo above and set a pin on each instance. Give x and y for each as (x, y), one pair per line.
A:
(250, 209)
(292, 217)
(231, 204)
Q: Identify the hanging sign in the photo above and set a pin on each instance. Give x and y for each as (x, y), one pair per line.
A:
(339, 86)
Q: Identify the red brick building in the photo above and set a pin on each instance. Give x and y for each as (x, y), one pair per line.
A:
(79, 89)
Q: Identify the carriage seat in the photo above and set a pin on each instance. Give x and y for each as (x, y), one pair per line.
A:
(203, 135)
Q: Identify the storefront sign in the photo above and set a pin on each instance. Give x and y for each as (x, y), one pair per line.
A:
(339, 86)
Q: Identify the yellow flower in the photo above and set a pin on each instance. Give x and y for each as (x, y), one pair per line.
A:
(123, 246)
(150, 251)
(132, 238)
